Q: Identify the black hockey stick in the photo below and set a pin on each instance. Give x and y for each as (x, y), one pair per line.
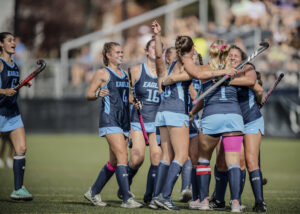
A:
(264, 100)
(42, 64)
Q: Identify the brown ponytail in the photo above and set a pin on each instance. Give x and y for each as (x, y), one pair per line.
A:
(183, 45)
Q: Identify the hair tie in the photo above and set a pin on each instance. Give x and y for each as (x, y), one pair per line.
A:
(222, 47)
(214, 46)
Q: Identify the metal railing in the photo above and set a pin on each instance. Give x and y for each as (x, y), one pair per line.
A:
(163, 10)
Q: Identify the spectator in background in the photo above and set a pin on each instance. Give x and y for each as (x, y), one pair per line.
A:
(201, 45)
(239, 12)
(143, 38)
(19, 52)
(257, 13)
(82, 70)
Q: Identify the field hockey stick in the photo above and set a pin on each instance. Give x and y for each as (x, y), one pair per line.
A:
(264, 46)
(271, 90)
(135, 100)
(264, 100)
(42, 64)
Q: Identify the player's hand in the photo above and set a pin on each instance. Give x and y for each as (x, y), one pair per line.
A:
(104, 93)
(28, 84)
(191, 118)
(156, 27)
(101, 92)
(10, 92)
(231, 72)
(138, 104)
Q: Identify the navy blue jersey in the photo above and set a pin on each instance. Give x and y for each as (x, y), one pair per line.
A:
(222, 100)
(197, 85)
(115, 106)
(248, 105)
(146, 90)
(10, 77)
(175, 97)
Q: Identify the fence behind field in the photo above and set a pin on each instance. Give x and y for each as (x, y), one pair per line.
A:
(73, 115)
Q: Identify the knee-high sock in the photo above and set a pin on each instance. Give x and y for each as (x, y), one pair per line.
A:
(234, 177)
(103, 177)
(203, 178)
(221, 184)
(162, 172)
(131, 174)
(194, 184)
(256, 184)
(186, 175)
(173, 174)
(19, 169)
(122, 178)
(243, 181)
(150, 180)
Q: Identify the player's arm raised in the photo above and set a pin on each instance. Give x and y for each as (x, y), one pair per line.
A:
(159, 61)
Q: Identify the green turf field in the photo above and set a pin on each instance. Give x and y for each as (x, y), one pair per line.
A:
(60, 168)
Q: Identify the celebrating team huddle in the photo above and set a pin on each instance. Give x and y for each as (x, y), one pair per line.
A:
(164, 93)
(178, 140)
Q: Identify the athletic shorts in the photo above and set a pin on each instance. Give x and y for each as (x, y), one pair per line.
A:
(222, 123)
(149, 127)
(8, 124)
(254, 126)
(112, 130)
(167, 118)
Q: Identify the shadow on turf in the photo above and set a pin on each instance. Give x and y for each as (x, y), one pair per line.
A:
(13, 201)
(110, 203)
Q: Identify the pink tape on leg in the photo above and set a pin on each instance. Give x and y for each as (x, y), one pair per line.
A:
(110, 167)
(232, 143)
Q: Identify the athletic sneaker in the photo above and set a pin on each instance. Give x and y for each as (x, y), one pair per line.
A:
(131, 203)
(185, 195)
(166, 203)
(217, 205)
(21, 194)
(242, 206)
(204, 205)
(260, 207)
(95, 200)
(194, 205)
(152, 203)
(235, 206)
